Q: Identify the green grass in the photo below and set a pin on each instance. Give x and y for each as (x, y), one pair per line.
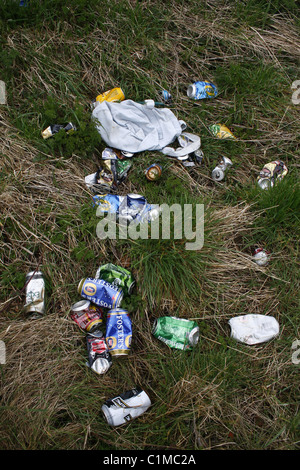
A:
(55, 58)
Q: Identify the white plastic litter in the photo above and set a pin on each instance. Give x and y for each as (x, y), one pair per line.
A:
(253, 329)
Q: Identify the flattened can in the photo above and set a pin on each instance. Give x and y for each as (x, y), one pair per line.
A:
(118, 332)
(201, 90)
(35, 294)
(99, 358)
(177, 333)
(118, 276)
(126, 406)
(100, 292)
(261, 256)
(88, 317)
(221, 131)
(153, 172)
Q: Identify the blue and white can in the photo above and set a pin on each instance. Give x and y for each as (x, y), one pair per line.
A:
(118, 332)
(201, 90)
(100, 292)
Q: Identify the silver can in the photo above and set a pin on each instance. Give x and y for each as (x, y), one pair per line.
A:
(126, 406)
(218, 172)
(35, 294)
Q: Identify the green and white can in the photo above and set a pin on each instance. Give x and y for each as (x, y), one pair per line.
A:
(178, 333)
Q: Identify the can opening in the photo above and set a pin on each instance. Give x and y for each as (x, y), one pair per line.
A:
(191, 91)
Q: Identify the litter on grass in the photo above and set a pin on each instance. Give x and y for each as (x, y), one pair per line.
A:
(218, 172)
(126, 406)
(271, 173)
(202, 89)
(253, 329)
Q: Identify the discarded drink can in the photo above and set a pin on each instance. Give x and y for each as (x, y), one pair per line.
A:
(117, 276)
(88, 317)
(177, 333)
(126, 406)
(198, 156)
(35, 294)
(271, 173)
(221, 131)
(165, 96)
(201, 90)
(118, 332)
(99, 358)
(219, 172)
(153, 172)
(261, 256)
(54, 128)
(100, 292)
(127, 154)
(116, 94)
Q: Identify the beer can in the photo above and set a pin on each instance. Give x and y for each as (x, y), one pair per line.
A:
(221, 131)
(271, 173)
(202, 89)
(116, 94)
(261, 256)
(100, 292)
(99, 358)
(88, 317)
(118, 332)
(153, 172)
(126, 406)
(117, 276)
(54, 128)
(177, 333)
(165, 96)
(35, 294)
(218, 172)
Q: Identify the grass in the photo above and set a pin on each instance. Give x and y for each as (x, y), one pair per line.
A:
(55, 58)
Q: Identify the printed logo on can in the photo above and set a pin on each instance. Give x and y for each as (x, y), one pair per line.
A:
(128, 341)
(89, 288)
(111, 342)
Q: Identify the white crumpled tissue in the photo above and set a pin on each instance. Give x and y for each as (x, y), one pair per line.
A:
(253, 329)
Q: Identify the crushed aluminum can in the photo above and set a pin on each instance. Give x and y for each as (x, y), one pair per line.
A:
(261, 256)
(55, 128)
(127, 154)
(177, 333)
(118, 276)
(100, 292)
(115, 94)
(198, 156)
(218, 173)
(35, 294)
(221, 131)
(271, 173)
(153, 172)
(88, 317)
(106, 176)
(118, 332)
(188, 162)
(99, 358)
(126, 406)
(165, 96)
(201, 90)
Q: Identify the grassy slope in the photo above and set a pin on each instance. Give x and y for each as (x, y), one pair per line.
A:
(55, 59)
